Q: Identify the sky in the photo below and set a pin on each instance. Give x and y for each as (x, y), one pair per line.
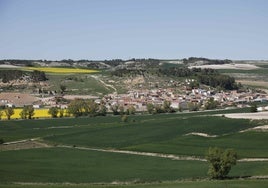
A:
(124, 29)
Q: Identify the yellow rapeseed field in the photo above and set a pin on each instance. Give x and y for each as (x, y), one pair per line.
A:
(38, 113)
(61, 70)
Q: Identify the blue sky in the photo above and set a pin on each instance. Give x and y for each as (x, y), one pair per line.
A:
(111, 29)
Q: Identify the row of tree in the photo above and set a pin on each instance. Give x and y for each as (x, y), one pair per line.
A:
(26, 113)
(120, 110)
(205, 61)
(221, 81)
(9, 111)
(157, 108)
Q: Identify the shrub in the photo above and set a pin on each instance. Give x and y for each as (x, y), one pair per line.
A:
(2, 141)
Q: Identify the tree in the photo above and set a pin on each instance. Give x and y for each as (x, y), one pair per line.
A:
(121, 110)
(53, 111)
(114, 109)
(211, 104)
(220, 162)
(131, 110)
(193, 106)
(102, 110)
(2, 141)
(23, 113)
(30, 110)
(253, 108)
(62, 88)
(150, 108)
(167, 107)
(38, 76)
(9, 111)
(1, 114)
(158, 109)
(78, 107)
(91, 108)
(61, 111)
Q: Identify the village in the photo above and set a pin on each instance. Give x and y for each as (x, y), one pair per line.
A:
(140, 98)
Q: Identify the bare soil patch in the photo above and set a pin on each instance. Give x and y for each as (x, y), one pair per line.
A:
(25, 144)
(201, 134)
(228, 66)
(9, 66)
(257, 115)
(259, 128)
(254, 83)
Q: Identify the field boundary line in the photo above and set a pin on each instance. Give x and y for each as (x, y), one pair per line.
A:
(20, 141)
(160, 155)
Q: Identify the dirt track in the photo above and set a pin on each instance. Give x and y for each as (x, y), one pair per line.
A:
(23, 144)
(33, 143)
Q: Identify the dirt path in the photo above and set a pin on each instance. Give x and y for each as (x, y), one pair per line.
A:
(36, 143)
(107, 86)
(167, 156)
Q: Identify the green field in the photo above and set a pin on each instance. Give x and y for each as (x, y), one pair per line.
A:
(78, 84)
(164, 134)
(260, 74)
(181, 184)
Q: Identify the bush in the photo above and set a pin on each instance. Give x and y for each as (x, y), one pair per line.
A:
(124, 118)
(253, 108)
(2, 141)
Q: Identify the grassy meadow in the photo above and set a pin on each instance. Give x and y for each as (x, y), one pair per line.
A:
(78, 84)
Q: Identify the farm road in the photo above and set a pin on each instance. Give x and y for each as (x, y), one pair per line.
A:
(168, 156)
(161, 155)
(36, 143)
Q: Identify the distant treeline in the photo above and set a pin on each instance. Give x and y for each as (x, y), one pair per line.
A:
(129, 72)
(9, 75)
(186, 72)
(113, 62)
(210, 77)
(192, 60)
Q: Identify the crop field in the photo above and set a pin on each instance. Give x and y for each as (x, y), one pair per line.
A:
(61, 70)
(38, 113)
(256, 75)
(100, 150)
